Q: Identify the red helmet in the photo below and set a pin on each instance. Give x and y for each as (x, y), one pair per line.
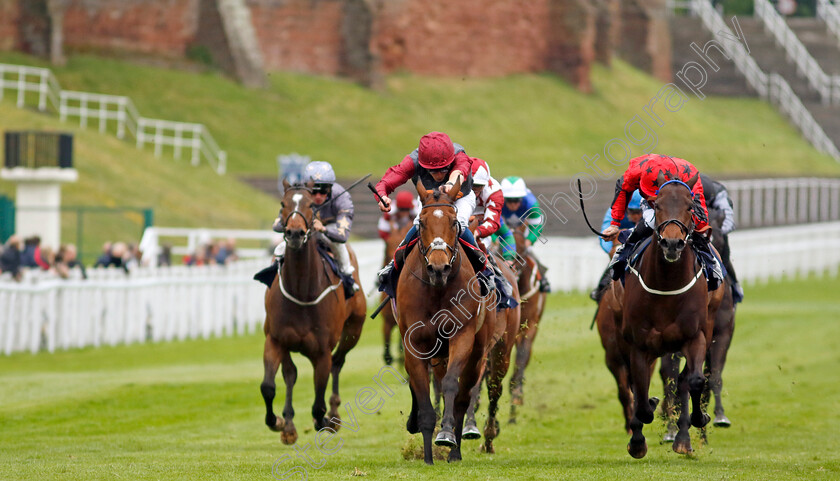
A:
(436, 150)
(405, 200)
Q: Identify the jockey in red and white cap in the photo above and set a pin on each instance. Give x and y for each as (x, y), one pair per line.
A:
(402, 212)
(489, 203)
(642, 174)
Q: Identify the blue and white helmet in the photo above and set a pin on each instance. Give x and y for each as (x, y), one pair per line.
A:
(319, 172)
(635, 201)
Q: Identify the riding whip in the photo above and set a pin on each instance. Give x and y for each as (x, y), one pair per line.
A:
(346, 190)
(583, 210)
(381, 306)
(378, 197)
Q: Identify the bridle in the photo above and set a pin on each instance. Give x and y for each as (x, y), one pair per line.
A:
(306, 222)
(688, 230)
(439, 244)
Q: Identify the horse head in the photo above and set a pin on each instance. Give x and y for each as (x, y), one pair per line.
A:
(439, 230)
(297, 213)
(674, 208)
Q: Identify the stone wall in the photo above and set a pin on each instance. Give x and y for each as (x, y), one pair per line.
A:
(646, 37)
(9, 24)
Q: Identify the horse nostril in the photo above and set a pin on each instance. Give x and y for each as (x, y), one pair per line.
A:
(446, 270)
(680, 244)
(663, 243)
(430, 270)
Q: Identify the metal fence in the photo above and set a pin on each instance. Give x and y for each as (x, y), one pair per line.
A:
(39, 86)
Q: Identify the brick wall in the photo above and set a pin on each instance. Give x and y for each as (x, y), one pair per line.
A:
(9, 23)
(161, 27)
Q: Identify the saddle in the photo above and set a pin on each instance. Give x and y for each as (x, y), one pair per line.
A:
(267, 275)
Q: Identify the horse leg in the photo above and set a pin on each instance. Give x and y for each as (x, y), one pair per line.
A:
(438, 394)
(271, 361)
(523, 357)
(717, 359)
(682, 441)
(695, 355)
(422, 416)
(499, 364)
(289, 435)
(644, 407)
(470, 426)
(460, 348)
(321, 366)
(349, 338)
(669, 369)
(387, 327)
(619, 367)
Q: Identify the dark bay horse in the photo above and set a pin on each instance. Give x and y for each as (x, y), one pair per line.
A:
(389, 322)
(667, 308)
(441, 315)
(724, 328)
(532, 308)
(306, 312)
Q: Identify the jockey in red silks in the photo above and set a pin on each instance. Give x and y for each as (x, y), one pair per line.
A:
(439, 163)
(642, 174)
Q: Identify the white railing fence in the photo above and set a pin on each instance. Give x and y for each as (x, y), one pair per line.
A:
(806, 64)
(151, 305)
(111, 112)
(772, 202)
(772, 87)
(830, 14)
(111, 307)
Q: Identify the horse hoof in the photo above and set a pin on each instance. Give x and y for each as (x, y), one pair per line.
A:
(289, 438)
(654, 401)
(669, 437)
(512, 421)
(471, 432)
(638, 451)
(682, 448)
(517, 401)
(488, 448)
(279, 424)
(722, 421)
(446, 438)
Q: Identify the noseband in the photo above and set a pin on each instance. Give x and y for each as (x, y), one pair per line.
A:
(684, 228)
(306, 222)
(439, 244)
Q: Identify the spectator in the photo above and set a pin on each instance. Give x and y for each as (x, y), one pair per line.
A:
(165, 256)
(227, 252)
(27, 256)
(10, 260)
(104, 258)
(66, 260)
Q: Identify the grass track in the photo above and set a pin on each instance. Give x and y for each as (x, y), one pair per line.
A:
(192, 410)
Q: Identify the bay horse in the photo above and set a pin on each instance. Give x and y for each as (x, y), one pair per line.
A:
(724, 328)
(306, 312)
(496, 367)
(441, 321)
(532, 308)
(668, 308)
(389, 322)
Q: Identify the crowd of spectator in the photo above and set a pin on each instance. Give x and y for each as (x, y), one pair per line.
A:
(19, 254)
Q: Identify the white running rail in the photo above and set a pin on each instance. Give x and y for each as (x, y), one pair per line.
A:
(45, 313)
(39, 85)
(828, 86)
(769, 202)
(771, 87)
(830, 14)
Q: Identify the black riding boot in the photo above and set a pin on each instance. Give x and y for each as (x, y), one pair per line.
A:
(714, 270)
(622, 254)
(598, 292)
(737, 291)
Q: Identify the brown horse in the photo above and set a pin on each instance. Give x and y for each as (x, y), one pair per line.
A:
(532, 308)
(389, 322)
(441, 316)
(496, 368)
(667, 308)
(306, 312)
(715, 357)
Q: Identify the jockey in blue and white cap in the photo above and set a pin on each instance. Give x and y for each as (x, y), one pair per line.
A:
(335, 219)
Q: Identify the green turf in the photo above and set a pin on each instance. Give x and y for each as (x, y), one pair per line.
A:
(192, 410)
(530, 125)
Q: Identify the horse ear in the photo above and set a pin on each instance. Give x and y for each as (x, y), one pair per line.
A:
(310, 185)
(421, 190)
(286, 184)
(456, 189)
(660, 179)
(693, 180)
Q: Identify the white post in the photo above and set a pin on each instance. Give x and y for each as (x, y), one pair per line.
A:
(121, 118)
(38, 201)
(42, 91)
(21, 87)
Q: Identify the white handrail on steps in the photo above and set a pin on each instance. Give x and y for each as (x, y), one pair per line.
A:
(772, 87)
(828, 86)
(111, 110)
(830, 14)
